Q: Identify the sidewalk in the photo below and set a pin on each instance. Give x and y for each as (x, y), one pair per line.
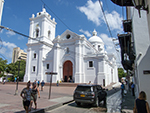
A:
(128, 103)
(10, 103)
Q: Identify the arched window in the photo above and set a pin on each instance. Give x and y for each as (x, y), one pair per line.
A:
(37, 32)
(49, 33)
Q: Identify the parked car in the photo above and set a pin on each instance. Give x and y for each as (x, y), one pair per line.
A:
(91, 94)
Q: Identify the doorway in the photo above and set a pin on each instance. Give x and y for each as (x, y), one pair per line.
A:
(67, 71)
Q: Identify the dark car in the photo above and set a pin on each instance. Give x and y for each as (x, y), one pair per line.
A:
(90, 94)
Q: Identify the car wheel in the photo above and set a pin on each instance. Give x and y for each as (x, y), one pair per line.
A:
(97, 102)
(78, 103)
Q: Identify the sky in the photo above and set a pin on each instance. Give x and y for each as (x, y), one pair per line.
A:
(79, 16)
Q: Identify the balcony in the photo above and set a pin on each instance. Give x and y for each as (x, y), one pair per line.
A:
(127, 25)
(123, 2)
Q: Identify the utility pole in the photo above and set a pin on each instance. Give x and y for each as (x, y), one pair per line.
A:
(16, 92)
(50, 73)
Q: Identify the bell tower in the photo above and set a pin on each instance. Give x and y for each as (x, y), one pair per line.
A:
(42, 33)
(42, 27)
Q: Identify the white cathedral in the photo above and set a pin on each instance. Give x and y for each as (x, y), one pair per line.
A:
(71, 56)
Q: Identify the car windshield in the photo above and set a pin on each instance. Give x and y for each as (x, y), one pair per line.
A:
(84, 88)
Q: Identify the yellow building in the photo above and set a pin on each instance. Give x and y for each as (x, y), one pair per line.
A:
(17, 52)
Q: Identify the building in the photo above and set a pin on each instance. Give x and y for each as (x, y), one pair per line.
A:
(17, 52)
(138, 25)
(1, 9)
(72, 56)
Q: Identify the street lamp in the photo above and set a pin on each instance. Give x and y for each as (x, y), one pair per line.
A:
(16, 92)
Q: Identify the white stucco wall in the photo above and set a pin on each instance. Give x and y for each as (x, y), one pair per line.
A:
(141, 42)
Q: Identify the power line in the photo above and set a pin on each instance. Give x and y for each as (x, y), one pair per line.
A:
(55, 15)
(108, 25)
(75, 53)
(2, 27)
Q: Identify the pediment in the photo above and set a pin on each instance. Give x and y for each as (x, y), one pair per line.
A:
(67, 35)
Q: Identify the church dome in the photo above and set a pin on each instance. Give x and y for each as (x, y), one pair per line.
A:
(95, 38)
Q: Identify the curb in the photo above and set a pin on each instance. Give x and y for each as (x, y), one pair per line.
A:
(50, 107)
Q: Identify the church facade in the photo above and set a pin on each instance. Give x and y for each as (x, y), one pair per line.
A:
(71, 56)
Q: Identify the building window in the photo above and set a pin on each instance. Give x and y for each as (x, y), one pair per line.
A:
(90, 63)
(34, 55)
(67, 50)
(49, 33)
(33, 68)
(47, 66)
(37, 32)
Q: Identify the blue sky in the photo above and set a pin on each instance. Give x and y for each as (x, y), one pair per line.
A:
(81, 17)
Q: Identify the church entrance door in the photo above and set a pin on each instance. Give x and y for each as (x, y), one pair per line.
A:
(67, 71)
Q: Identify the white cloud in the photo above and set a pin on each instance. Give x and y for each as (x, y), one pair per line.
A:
(7, 49)
(85, 32)
(1, 30)
(20, 38)
(93, 12)
(9, 45)
(110, 47)
(10, 33)
(108, 43)
(114, 20)
(25, 50)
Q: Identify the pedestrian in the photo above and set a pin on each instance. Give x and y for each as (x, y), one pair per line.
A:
(122, 89)
(42, 85)
(15, 79)
(4, 81)
(89, 82)
(38, 82)
(35, 91)
(26, 94)
(34, 82)
(57, 82)
(132, 87)
(141, 105)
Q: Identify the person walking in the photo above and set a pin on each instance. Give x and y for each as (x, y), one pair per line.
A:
(42, 85)
(122, 89)
(26, 94)
(132, 87)
(141, 105)
(35, 91)
(4, 81)
(38, 82)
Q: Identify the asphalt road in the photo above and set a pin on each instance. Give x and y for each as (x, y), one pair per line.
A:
(113, 101)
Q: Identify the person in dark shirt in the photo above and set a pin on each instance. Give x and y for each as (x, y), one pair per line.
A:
(42, 85)
(26, 94)
(122, 89)
(35, 91)
(141, 106)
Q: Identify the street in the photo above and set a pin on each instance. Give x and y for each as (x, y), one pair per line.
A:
(113, 105)
(11, 103)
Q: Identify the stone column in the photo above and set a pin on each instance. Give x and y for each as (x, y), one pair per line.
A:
(40, 72)
(78, 63)
(56, 62)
